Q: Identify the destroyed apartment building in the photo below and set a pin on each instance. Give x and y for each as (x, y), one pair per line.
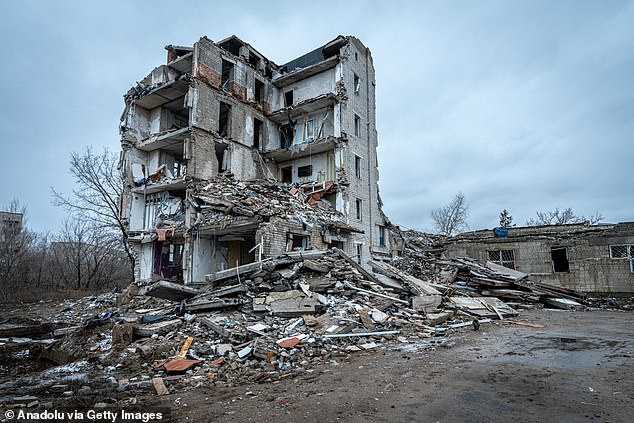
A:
(230, 158)
(582, 257)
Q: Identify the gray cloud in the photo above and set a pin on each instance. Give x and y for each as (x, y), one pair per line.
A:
(521, 105)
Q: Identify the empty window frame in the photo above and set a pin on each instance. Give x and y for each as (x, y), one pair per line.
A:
(559, 257)
(288, 98)
(224, 120)
(381, 231)
(227, 74)
(299, 242)
(357, 125)
(357, 166)
(305, 171)
(287, 174)
(359, 208)
(309, 130)
(359, 248)
(257, 132)
(152, 203)
(504, 258)
(259, 91)
(356, 83)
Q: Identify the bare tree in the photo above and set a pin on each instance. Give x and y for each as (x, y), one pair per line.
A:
(562, 217)
(15, 248)
(506, 220)
(451, 218)
(85, 259)
(98, 193)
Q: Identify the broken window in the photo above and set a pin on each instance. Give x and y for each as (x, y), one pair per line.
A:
(381, 235)
(179, 169)
(357, 166)
(560, 259)
(287, 174)
(224, 120)
(168, 260)
(305, 171)
(504, 258)
(309, 130)
(222, 155)
(227, 74)
(299, 242)
(152, 204)
(359, 253)
(254, 60)
(359, 209)
(356, 83)
(357, 125)
(286, 136)
(259, 91)
(288, 98)
(257, 132)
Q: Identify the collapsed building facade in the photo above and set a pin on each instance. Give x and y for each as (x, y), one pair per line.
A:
(230, 158)
(583, 257)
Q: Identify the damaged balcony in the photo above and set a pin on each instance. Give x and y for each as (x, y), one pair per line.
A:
(171, 140)
(307, 106)
(304, 149)
(156, 96)
(162, 179)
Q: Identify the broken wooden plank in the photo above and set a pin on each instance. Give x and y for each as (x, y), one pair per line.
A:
(159, 386)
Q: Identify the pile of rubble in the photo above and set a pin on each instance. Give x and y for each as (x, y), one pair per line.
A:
(226, 201)
(258, 322)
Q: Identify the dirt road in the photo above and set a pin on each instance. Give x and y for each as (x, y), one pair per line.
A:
(577, 368)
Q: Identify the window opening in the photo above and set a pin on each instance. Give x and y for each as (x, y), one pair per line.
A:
(305, 171)
(381, 236)
(259, 91)
(224, 120)
(357, 166)
(357, 83)
(560, 259)
(287, 174)
(288, 98)
(359, 253)
(504, 258)
(357, 125)
(309, 130)
(257, 132)
(227, 74)
(359, 209)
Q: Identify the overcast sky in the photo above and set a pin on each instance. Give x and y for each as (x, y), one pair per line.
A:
(523, 105)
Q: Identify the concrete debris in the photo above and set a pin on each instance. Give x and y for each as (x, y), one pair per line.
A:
(274, 318)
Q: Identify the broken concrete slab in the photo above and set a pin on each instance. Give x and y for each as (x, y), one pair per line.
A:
(169, 291)
(161, 328)
(122, 334)
(291, 303)
(426, 303)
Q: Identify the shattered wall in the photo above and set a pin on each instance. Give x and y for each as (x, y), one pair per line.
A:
(587, 249)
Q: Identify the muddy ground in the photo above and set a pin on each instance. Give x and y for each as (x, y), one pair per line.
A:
(578, 368)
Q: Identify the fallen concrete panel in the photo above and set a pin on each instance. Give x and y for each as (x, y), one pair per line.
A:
(170, 291)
